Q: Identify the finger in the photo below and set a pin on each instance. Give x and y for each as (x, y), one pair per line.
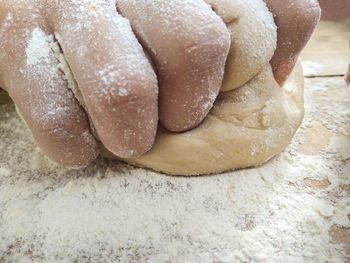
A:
(189, 44)
(296, 22)
(33, 80)
(114, 76)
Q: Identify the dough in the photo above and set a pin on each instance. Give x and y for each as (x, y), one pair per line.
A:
(246, 127)
(253, 38)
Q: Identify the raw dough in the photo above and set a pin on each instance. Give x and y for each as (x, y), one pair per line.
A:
(246, 127)
(253, 39)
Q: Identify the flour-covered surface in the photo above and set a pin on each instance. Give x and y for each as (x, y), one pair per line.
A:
(327, 53)
(293, 209)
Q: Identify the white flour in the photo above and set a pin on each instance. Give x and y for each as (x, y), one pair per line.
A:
(39, 47)
(112, 212)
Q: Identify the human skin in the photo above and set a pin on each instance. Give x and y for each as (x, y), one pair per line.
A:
(296, 21)
(119, 84)
(347, 76)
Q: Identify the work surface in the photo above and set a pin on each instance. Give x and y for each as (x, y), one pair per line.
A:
(295, 208)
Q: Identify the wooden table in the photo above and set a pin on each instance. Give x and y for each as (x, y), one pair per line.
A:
(325, 61)
(44, 192)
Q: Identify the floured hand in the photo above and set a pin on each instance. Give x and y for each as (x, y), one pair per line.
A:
(296, 20)
(186, 40)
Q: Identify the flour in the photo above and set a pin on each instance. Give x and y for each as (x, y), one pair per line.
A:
(38, 48)
(312, 68)
(113, 212)
(110, 211)
(67, 73)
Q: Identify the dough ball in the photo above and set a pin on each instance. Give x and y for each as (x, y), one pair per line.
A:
(246, 127)
(253, 38)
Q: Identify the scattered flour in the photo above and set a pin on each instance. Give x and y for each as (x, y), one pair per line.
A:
(122, 92)
(113, 212)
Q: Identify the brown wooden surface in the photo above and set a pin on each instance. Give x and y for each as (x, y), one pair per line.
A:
(327, 55)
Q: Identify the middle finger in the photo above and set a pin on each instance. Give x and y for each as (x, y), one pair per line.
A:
(189, 44)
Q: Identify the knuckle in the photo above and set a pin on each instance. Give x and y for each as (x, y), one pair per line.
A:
(129, 91)
(212, 44)
(57, 124)
(120, 86)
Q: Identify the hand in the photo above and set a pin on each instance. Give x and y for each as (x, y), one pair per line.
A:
(187, 42)
(296, 20)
